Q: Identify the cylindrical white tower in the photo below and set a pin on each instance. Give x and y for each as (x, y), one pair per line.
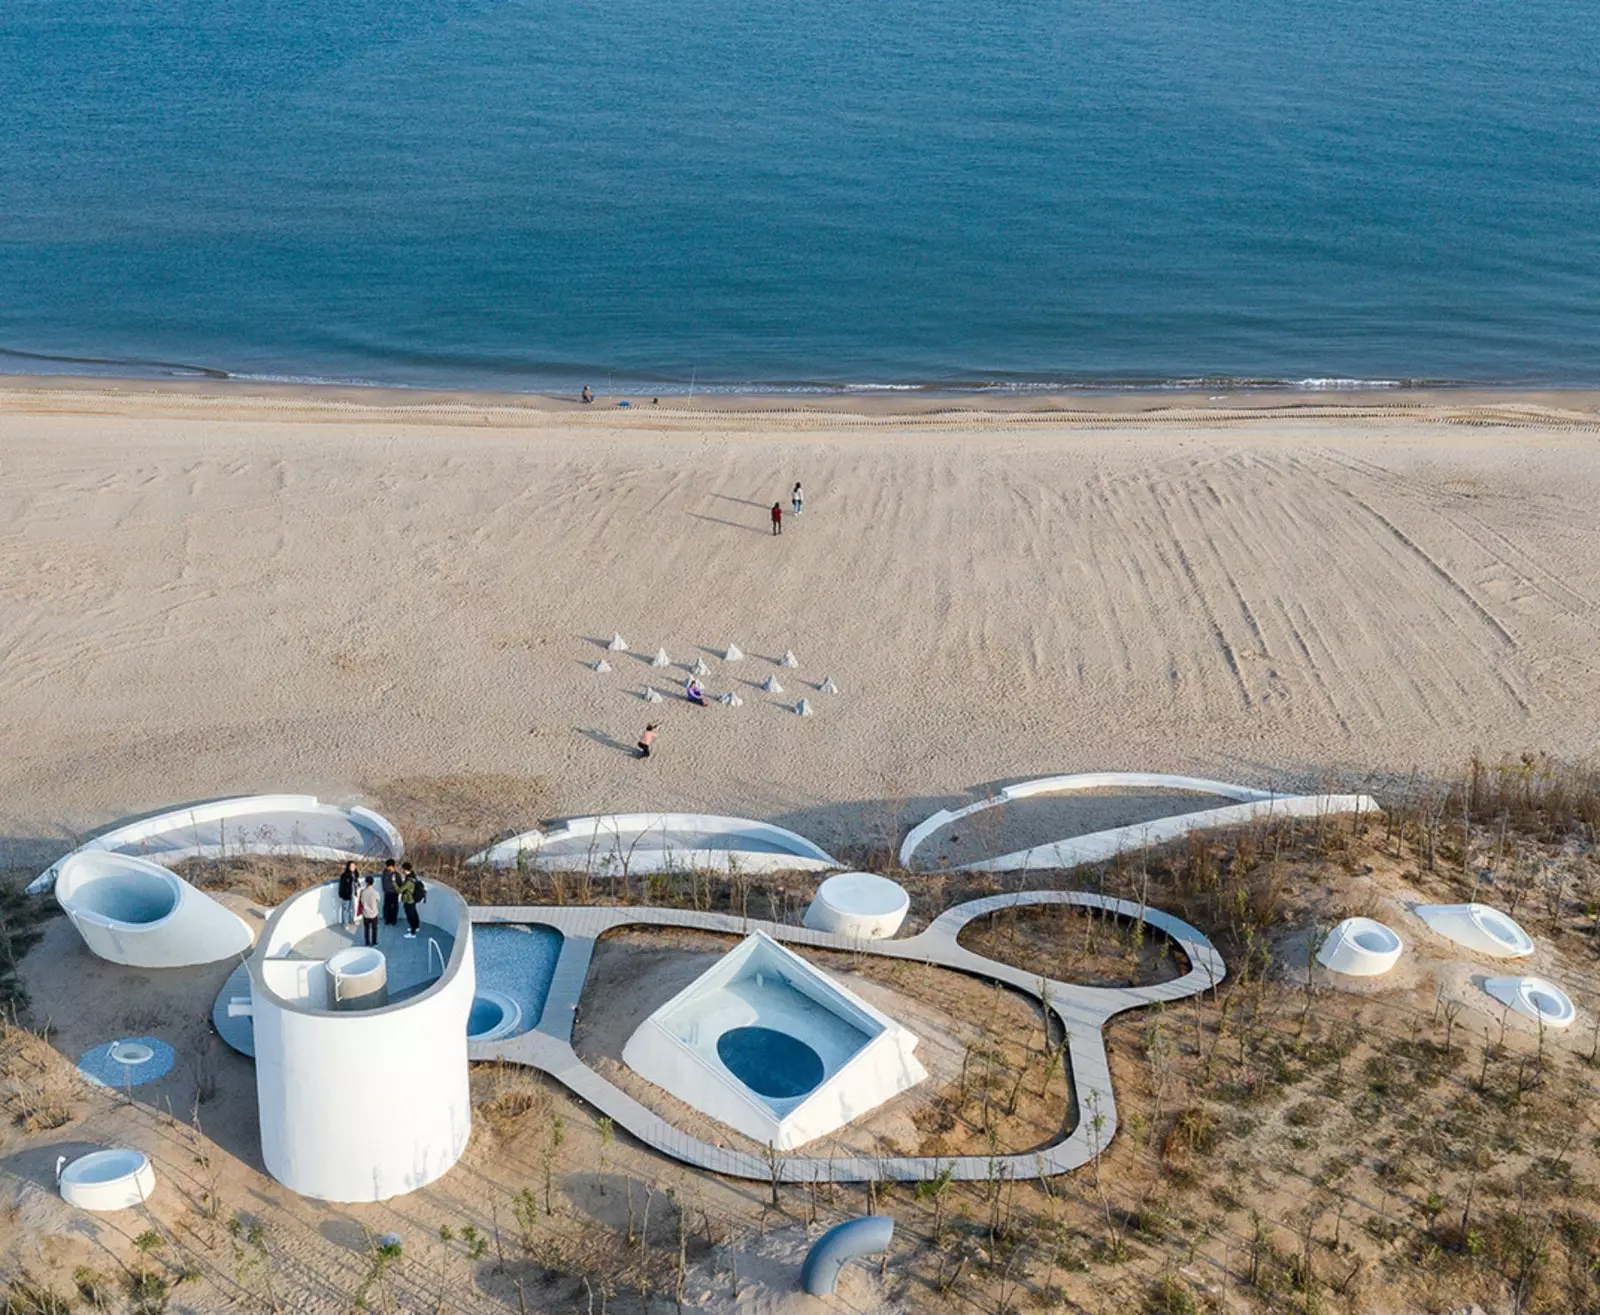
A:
(365, 1104)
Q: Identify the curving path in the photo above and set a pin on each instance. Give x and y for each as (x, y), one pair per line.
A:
(1081, 1011)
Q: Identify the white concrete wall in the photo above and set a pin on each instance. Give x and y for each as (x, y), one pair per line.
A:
(195, 928)
(362, 1106)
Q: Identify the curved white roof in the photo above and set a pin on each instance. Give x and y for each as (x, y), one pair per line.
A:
(1249, 804)
(1536, 998)
(657, 842)
(267, 824)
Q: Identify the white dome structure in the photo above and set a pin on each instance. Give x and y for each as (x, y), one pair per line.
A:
(382, 1032)
(1360, 947)
(1478, 927)
(132, 911)
(859, 905)
(1535, 998)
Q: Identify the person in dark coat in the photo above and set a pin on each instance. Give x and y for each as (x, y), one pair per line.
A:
(410, 888)
(348, 880)
(391, 894)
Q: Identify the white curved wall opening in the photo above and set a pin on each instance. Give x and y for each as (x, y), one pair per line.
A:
(1535, 998)
(134, 912)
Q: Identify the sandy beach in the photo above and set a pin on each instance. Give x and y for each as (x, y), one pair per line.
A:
(395, 597)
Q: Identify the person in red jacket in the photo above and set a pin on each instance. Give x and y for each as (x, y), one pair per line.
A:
(777, 518)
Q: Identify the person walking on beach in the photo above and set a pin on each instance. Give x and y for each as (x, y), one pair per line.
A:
(412, 893)
(347, 894)
(369, 913)
(777, 518)
(391, 894)
(648, 738)
(797, 499)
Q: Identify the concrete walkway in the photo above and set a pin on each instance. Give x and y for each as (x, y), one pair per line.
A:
(1081, 1011)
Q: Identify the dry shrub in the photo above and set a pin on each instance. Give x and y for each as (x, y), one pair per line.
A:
(37, 1084)
(506, 1093)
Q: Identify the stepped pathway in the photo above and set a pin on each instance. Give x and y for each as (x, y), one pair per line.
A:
(1081, 1011)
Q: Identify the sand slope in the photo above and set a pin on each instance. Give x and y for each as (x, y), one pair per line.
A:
(202, 596)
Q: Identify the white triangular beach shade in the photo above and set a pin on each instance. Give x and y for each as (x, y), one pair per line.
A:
(734, 654)
(602, 666)
(661, 659)
(700, 668)
(770, 684)
(803, 708)
(730, 700)
(650, 695)
(827, 686)
(618, 644)
(789, 660)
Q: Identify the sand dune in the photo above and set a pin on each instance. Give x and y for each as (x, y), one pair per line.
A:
(200, 595)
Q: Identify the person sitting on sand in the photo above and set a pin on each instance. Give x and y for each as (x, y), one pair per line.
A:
(587, 395)
(695, 693)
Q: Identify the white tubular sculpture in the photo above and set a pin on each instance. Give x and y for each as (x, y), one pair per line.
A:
(1098, 846)
(1360, 947)
(296, 825)
(134, 912)
(1478, 927)
(360, 1104)
(659, 842)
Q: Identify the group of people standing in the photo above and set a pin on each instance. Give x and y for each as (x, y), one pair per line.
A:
(364, 898)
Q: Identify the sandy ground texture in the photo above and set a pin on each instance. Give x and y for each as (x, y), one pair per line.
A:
(204, 592)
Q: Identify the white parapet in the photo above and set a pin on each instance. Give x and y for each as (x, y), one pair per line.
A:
(360, 1104)
(1248, 805)
(659, 842)
(134, 912)
(295, 825)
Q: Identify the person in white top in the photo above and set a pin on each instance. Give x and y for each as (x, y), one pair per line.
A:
(797, 499)
(370, 904)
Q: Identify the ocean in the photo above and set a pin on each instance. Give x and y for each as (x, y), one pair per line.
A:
(802, 194)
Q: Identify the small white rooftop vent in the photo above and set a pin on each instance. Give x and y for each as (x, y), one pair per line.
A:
(1478, 927)
(1534, 997)
(1360, 947)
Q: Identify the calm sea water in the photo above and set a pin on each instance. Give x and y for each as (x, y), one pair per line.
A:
(539, 193)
